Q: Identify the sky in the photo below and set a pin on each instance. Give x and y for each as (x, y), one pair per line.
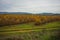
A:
(33, 6)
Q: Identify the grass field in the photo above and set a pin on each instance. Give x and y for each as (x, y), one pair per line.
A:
(28, 31)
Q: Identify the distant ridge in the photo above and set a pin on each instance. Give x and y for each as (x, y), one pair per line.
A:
(15, 13)
(29, 13)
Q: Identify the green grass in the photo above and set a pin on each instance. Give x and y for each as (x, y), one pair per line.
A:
(29, 31)
(30, 26)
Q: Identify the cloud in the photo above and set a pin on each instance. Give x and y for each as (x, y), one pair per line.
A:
(30, 5)
(5, 5)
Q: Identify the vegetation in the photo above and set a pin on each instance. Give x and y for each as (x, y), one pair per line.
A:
(29, 27)
(11, 19)
(48, 31)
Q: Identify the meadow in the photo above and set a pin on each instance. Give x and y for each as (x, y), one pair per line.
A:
(29, 27)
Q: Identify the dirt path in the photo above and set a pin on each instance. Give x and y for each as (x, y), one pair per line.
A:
(26, 30)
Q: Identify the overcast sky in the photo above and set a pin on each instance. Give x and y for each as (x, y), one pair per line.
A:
(34, 6)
